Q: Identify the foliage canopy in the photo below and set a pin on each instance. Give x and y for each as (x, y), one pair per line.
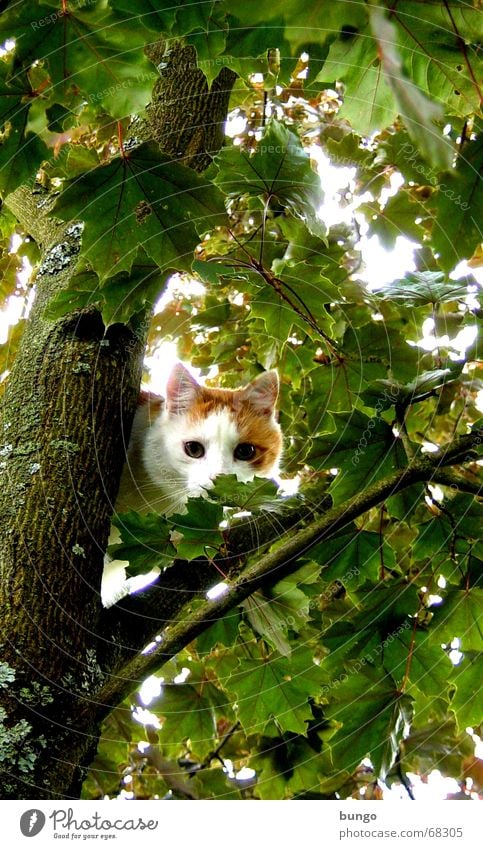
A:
(347, 655)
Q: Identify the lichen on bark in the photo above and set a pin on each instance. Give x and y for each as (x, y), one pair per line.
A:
(65, 420)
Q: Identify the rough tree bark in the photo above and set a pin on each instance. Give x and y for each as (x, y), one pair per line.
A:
(65, 422)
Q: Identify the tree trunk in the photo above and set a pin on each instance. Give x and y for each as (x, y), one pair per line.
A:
(63, 429)
(65, 422)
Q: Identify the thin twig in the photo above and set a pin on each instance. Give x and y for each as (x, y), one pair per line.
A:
(215, 754)
(168, 770)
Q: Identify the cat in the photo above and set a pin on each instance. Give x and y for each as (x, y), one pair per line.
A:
(180, 444)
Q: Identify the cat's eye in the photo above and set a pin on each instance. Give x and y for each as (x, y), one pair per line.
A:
(244, 451)
(194, 449)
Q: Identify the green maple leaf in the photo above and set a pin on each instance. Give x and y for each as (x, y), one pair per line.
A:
(209, 41)
(433, 64)
(258, 494)
(369, 103)
(443, 534)
(313, 24)
(149, 13)
(466, 701)
(308, 288)
(21, 151)
(297, 298)
(428, 381)
(277, 316)
(383, 612)
(460, 616)
(9, 348)
(272, 618)
(363, 449)
(457, 231)
(146, 542)
(413, 657)
(353, 557)
(199, 527)
(120, 297)
(276, 688)
(398, 151)
(84, 48)
(188, 713)
(376, 342)
(349, 150)
(419, 112)
(224, 632)
(289, 762)
(439, 45)
(113, 750)
(336, 387)
(381, 394)
(278, 173)
(247, 46)
(175, 18)
(372, 715)
(436, 745)
(396, 218)
(417, 288)
(142, 199)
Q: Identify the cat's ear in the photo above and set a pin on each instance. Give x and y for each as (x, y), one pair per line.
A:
(262, 393)
(182, 390)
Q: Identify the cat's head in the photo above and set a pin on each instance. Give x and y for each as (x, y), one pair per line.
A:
(208, 432)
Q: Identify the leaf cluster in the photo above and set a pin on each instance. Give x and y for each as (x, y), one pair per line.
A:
(352, 655)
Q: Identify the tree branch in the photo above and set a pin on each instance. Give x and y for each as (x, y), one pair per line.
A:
(33, 213)
(460, 450)
(273, 566)
(195, 133)
(137, 619)
(457, 483)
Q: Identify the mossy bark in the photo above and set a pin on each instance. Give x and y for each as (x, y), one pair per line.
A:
(64, 425)
(68, 405)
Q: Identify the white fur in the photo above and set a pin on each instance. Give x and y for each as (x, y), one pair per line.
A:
(164, 459)
(217, 433)
(159, 476)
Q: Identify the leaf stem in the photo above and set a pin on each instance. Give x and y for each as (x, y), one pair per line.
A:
(120, 140)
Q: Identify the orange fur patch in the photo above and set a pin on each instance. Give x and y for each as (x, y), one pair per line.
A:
(253, 427)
